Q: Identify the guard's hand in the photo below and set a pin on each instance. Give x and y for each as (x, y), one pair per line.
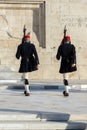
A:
(37, 66)
(73, 65)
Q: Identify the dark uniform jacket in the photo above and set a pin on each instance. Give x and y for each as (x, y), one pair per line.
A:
(68, 57)
(29, 57)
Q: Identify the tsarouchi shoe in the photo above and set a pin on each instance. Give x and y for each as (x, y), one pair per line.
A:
(65, 93)
(27, 94)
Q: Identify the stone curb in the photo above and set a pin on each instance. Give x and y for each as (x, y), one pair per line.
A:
(40, 85)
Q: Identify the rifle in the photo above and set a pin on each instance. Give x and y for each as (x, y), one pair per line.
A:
(65, 30)
(24, 31)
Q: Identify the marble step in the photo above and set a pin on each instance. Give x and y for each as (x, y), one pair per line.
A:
(43, 116)
(15, 125)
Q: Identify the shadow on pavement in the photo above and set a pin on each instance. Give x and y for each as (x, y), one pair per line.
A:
(76, 126)
(49, 116)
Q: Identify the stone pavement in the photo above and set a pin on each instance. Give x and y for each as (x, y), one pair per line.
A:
(47, 105)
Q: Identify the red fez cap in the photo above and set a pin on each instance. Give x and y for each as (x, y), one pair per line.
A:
(67, 38)
(27, 36)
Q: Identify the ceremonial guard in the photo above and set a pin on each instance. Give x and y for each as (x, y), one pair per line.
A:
(29, 60)
(67, 53)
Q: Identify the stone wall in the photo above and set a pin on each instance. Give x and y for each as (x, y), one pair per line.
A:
(45, 20)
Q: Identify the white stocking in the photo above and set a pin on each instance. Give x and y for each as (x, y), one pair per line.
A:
(25, 75)
(65, 77)
(27, 88)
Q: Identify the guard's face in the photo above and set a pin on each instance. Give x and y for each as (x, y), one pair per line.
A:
(27, 39)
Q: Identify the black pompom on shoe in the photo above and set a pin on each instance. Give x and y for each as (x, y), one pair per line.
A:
(64, 92)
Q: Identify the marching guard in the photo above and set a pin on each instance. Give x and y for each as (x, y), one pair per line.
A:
(29, 60)
(67, 53)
